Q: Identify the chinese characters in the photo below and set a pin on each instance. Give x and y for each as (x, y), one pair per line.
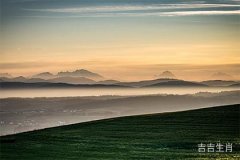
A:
(215, 147)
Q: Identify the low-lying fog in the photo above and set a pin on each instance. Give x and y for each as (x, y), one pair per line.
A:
(73, 92)
(25, 114)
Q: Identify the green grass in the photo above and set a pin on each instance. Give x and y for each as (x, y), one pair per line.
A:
(157, 136)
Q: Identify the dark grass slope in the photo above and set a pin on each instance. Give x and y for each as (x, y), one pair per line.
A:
(158, 136)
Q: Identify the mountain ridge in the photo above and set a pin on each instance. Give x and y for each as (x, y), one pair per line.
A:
(80, 73)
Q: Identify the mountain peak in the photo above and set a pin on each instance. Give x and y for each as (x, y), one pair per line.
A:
(43, 75)
(81, 73)
(19, 78)
(221, 76)
(167, 74)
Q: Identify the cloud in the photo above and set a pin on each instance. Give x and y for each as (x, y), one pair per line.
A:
(180, 13)
(190, 13)
(181, 9)
(123, 8)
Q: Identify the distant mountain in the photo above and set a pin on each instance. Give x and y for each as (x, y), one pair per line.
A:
(69, 80)
(219, 83)
(4, 79)
(8, 85)
(145, 83)
(221, 76)
(44, 75)
(81, 73)
(167, 74)
(72, 80)
(108, 82)
(18, 79)
(21, 79)
(32, 85)
(81, 76)
(35, 80)
(177, 83)
(7, 75)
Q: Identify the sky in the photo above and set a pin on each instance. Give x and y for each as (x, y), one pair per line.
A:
(121, 39)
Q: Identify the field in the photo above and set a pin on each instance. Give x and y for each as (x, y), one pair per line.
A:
(155, 136)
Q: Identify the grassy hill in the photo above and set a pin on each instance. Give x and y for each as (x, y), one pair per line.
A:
(156, 136)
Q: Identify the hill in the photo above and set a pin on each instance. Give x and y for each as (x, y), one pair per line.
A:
(177, 83)
(219, 83)
(145, 82)
(67, 80)
(157, 136)
(22, 79)
(7, 85)
(108, 82)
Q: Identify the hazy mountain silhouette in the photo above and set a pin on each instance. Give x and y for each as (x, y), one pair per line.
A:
(22, 79)
(221, 76)
(18, 79)
(167, 74)
(81, 73)
(145, 83)
(77, 73)
(68, 80)
(44, 75)
(7, 85)
(84, 77)
(7, 75)
(177, 83)
(35, 80)
(72, 80)
(108, 82)
(32, 85)
(219, 83)
(5, 79)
